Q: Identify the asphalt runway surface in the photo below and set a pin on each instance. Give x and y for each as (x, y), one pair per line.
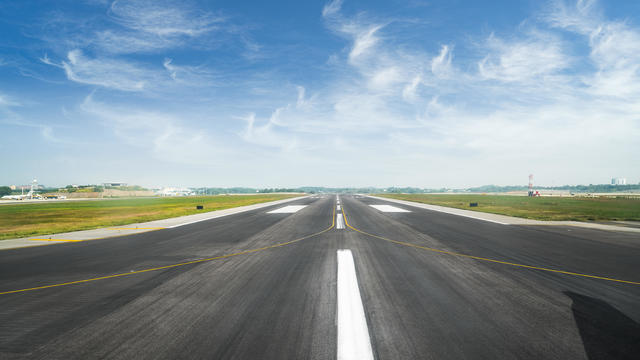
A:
(260, 285)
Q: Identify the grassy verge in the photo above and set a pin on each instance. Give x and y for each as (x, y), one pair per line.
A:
(56, 217)
(538, 208)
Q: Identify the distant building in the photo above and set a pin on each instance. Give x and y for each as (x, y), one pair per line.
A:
(171, 191)
(618, 181)
(114, 184)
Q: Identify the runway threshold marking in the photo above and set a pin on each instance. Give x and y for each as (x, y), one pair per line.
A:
(388, 208)
(289, 209)
(486, 259)
(453, 211)
(353, 334)
(333, 224)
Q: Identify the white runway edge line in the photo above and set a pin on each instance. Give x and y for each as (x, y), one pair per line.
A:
(339, 221)
(290, 209)
(353, 333)
(388, 208)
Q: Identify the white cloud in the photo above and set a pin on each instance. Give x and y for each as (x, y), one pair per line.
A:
(615, 47)
(270, 134)
(364, 39)
(532, 104)
(9, 115)
(581, 16)
(123, 75)
(301, 100)
(143, 26)
(163, 135)
(384, 78)
(527, 99)
(127, 42)
(189, 75)
(6, 101)
(163, 18)
(409, 91)
(331, 8)
(534, 56)
(362, 33)
(109, 73)
(441, 64)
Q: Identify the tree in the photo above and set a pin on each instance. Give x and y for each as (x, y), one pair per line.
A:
(5, 190)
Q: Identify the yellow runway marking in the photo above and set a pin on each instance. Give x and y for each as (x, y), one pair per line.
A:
(68, 240)
(485, 259)
(333, 224)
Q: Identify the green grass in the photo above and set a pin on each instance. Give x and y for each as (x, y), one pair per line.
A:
(539, 208)
(55, 217)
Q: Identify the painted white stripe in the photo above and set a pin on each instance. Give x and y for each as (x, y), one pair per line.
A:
(353, 333)
(388, 208)
(446, 210)
(216, 214)
(287, 209)
(339, 221)
(338, 207)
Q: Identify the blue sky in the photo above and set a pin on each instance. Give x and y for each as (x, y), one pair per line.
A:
(339, 93)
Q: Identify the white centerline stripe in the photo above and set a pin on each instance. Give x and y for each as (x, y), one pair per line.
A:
(353, 333)
(338, 207)
(339, 221)
(287, 209)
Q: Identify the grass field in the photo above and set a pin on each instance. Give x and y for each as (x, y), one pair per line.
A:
(539, 208)
(54, 217)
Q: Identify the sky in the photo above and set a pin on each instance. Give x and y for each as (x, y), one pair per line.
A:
(431, 94)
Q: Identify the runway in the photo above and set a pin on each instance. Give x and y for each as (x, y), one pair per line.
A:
(264, 284)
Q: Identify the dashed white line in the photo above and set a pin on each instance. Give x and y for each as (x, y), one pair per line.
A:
(353, 333)
(339, 221)
(338, 207)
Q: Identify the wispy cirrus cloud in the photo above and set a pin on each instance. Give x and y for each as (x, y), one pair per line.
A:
(190, 75)
(129, 76)
(363, 33)
(331, 8)
(533, 56)
(164, 18)
(108, 73)
(151, 26)
(554, 95)
(104, 54)
(614, 45)
(164, 136)
(522, 97)
(10, 116)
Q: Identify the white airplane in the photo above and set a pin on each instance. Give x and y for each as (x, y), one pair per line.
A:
(14, 197)
(30, 195)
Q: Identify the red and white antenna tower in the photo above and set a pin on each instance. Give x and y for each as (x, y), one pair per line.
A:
(530, 184)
